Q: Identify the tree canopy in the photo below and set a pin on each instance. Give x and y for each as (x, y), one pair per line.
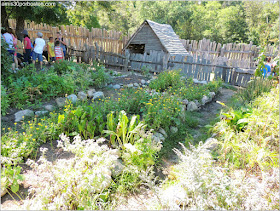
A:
(220, 21)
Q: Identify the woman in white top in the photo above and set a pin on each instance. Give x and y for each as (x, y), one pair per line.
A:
(38, 49)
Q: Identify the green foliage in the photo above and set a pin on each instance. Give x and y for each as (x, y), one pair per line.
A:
(248, 139)
(5, 101)
(238, 119)
(133, 101)
(163, 111)
(255, 88)
(123, 132)
(6, 60)
(100, 77)
(10, 176)
(166, 80)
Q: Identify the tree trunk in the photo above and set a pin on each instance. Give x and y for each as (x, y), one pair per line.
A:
(4, 18)
(19, 27)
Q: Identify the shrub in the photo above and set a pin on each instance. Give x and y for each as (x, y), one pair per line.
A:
(100, 77)
(167, 79)
(133, 101)
(255, 88)
(198, 183)
(78, 183)
(5, 102)
(256, 148)
(163, 111)
(6, 60)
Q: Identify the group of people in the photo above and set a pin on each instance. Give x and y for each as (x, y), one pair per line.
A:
(269, 67)
(29, 52)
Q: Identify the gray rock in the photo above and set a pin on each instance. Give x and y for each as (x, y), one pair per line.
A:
(110, 86)
(203, 82)
(211, 144)
(49, 107)
(98, 95)
(205, 100)
(136, 84)
(195, 81)
(198, 104)
(143, 85)
(162, 131)
(116, 86)
(160, 136)
(192, 106)
(20, 115)
(60, 101)
(143, 82)
(212, 94)
(73, 98)
(118, 167)
(220, 89)
(173, 129)
(148, 81)
(129, 85)
(90, 93)
(82, 96)
(185, 102)
(41, 113)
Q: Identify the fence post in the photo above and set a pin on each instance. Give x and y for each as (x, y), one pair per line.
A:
(126, 61)
(224, 72)
(233, 78)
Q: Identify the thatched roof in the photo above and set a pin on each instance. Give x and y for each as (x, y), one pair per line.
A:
(165, 33)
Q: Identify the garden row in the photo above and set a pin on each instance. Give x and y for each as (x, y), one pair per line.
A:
(242, 169)
(161, 110)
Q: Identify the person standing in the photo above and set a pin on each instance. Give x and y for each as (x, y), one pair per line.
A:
(27, 47)
(62, 42)
(58, 51)
(38, 49)
(50, 48)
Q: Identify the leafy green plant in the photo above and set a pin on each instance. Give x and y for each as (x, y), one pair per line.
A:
(255, 88)
(100, 77)
(237, 119)
(6, 60)
(10, 177)
(124, 133)
(163, 111)
(167, 79)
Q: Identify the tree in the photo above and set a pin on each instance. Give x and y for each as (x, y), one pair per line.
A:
(54, 15)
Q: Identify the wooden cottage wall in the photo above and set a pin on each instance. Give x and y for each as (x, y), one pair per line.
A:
(147, 36)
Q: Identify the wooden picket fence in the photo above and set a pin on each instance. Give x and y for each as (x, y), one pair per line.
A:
(237, 54)
(202, 67)
(78, 37)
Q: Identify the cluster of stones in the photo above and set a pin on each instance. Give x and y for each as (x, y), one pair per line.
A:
(60, 102)
(143, 83)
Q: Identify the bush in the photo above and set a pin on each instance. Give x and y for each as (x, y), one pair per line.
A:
(255, 147)
(163, 111)
(198, 183)
(166, 80)
(5, 102)
(255, 88)
(100, 77)
(6, 60)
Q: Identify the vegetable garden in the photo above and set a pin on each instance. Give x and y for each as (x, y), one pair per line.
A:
(117, 142)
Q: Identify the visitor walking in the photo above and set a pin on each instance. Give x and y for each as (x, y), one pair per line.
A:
(38, 49)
